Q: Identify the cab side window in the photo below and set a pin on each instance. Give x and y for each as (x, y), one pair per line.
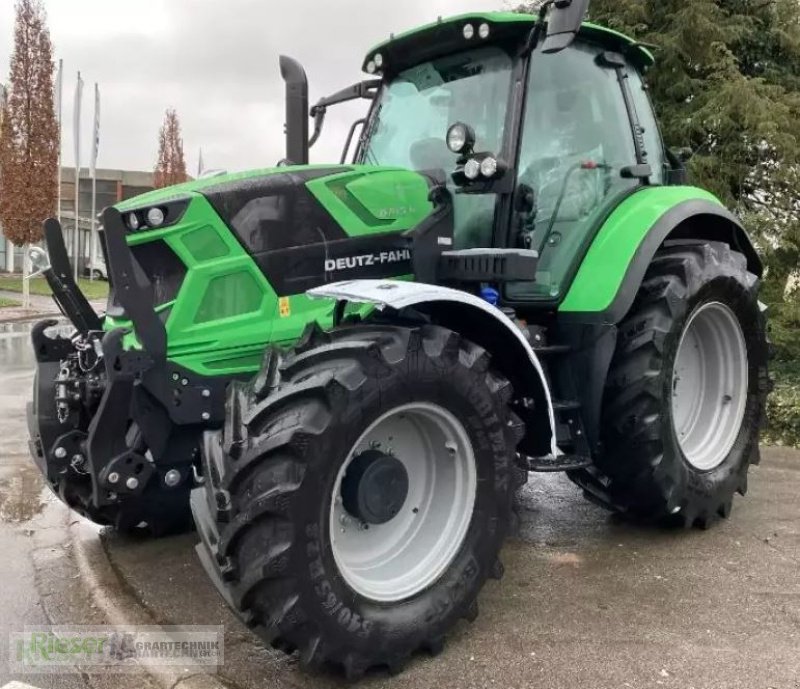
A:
(576, 140)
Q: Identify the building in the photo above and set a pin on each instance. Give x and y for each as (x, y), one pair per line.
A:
(113, 186)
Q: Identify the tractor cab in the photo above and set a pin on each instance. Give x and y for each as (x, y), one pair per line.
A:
(533, 143)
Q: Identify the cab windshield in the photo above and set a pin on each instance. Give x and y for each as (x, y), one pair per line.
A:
(415, 110)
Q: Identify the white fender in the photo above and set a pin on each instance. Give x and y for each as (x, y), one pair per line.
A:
(397, 294)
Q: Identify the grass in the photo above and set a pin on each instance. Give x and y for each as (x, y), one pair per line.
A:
(8, 302)
(96, 289)
(783, 405)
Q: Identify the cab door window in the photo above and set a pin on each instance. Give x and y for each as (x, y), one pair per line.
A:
(576, 140)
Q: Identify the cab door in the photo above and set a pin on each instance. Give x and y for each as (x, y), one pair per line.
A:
(577, 150)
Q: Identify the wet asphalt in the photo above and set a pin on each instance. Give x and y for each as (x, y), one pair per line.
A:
(587, 600)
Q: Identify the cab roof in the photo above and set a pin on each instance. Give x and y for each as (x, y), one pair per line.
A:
(446, 36)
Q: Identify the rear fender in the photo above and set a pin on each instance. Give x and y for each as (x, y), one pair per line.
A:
(612, 271)
(471, 316)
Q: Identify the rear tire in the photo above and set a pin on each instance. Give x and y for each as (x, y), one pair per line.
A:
(694, 334)
(272, 482)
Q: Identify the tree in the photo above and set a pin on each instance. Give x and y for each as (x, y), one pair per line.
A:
(727, 85)
(171, 166)
(29, 138)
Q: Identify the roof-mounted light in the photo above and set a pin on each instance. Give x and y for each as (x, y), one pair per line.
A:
(371, 67)
(378, 60)
(469, 31)
(484, 31)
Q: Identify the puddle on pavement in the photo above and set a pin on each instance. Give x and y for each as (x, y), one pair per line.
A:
(21, 496)
(16, 352)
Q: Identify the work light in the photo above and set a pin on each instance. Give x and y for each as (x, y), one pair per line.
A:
(460, 138)
(489, 167)
(133, 221)
(469, 31)
(155, 217)
(472, 169)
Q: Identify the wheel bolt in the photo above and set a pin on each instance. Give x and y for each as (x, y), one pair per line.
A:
(172, 478)
(205, 416)
(113, 477)
(452, 448)
(132, 483)
(60, 453)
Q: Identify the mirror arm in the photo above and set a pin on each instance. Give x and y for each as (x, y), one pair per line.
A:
(363, 89)
(319, 121)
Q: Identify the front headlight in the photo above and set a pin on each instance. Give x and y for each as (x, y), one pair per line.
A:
(155, 217)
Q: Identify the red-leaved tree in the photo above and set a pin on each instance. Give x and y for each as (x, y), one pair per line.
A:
(29, 130)
(171, 165)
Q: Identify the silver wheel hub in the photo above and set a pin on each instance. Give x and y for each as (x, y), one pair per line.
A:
(709, 387)
(402, 502)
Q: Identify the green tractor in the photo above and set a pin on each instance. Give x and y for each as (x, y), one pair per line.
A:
(348, 370)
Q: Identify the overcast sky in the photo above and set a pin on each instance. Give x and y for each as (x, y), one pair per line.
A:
(216, 62)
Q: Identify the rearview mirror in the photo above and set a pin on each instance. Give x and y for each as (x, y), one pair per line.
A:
(40, 261)
(563, 24)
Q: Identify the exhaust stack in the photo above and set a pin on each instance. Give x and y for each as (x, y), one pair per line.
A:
(296, 127)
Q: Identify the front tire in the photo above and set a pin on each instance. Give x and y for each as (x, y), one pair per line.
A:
(685, 397)
(382, 400)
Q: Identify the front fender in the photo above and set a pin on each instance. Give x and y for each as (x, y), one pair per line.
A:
(453, 307)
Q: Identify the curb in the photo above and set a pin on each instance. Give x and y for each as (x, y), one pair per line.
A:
(121, 608)
(30, 316)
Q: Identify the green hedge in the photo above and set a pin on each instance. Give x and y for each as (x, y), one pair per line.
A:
(783, 405)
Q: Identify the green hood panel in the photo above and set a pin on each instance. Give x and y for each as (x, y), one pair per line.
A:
(252, 243)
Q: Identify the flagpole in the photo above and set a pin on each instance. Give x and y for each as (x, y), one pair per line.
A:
(95, 147)
(59, 94)
(77, 137)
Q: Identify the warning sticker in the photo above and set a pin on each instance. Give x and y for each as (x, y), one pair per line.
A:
(284, 307)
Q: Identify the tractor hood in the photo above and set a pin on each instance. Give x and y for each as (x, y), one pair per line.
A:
(230, 256)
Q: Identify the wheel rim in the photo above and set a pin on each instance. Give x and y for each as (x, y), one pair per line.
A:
(405, 555)
(709, 388)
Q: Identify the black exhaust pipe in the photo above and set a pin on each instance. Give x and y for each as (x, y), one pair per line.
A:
(296, 127)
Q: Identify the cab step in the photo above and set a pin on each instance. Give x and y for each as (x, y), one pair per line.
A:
(551, 350)
(550, 464)
(565, 405)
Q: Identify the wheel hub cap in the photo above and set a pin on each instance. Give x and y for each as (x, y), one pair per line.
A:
(375, 487)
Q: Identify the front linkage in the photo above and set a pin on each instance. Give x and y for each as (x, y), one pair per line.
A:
(115, 428)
